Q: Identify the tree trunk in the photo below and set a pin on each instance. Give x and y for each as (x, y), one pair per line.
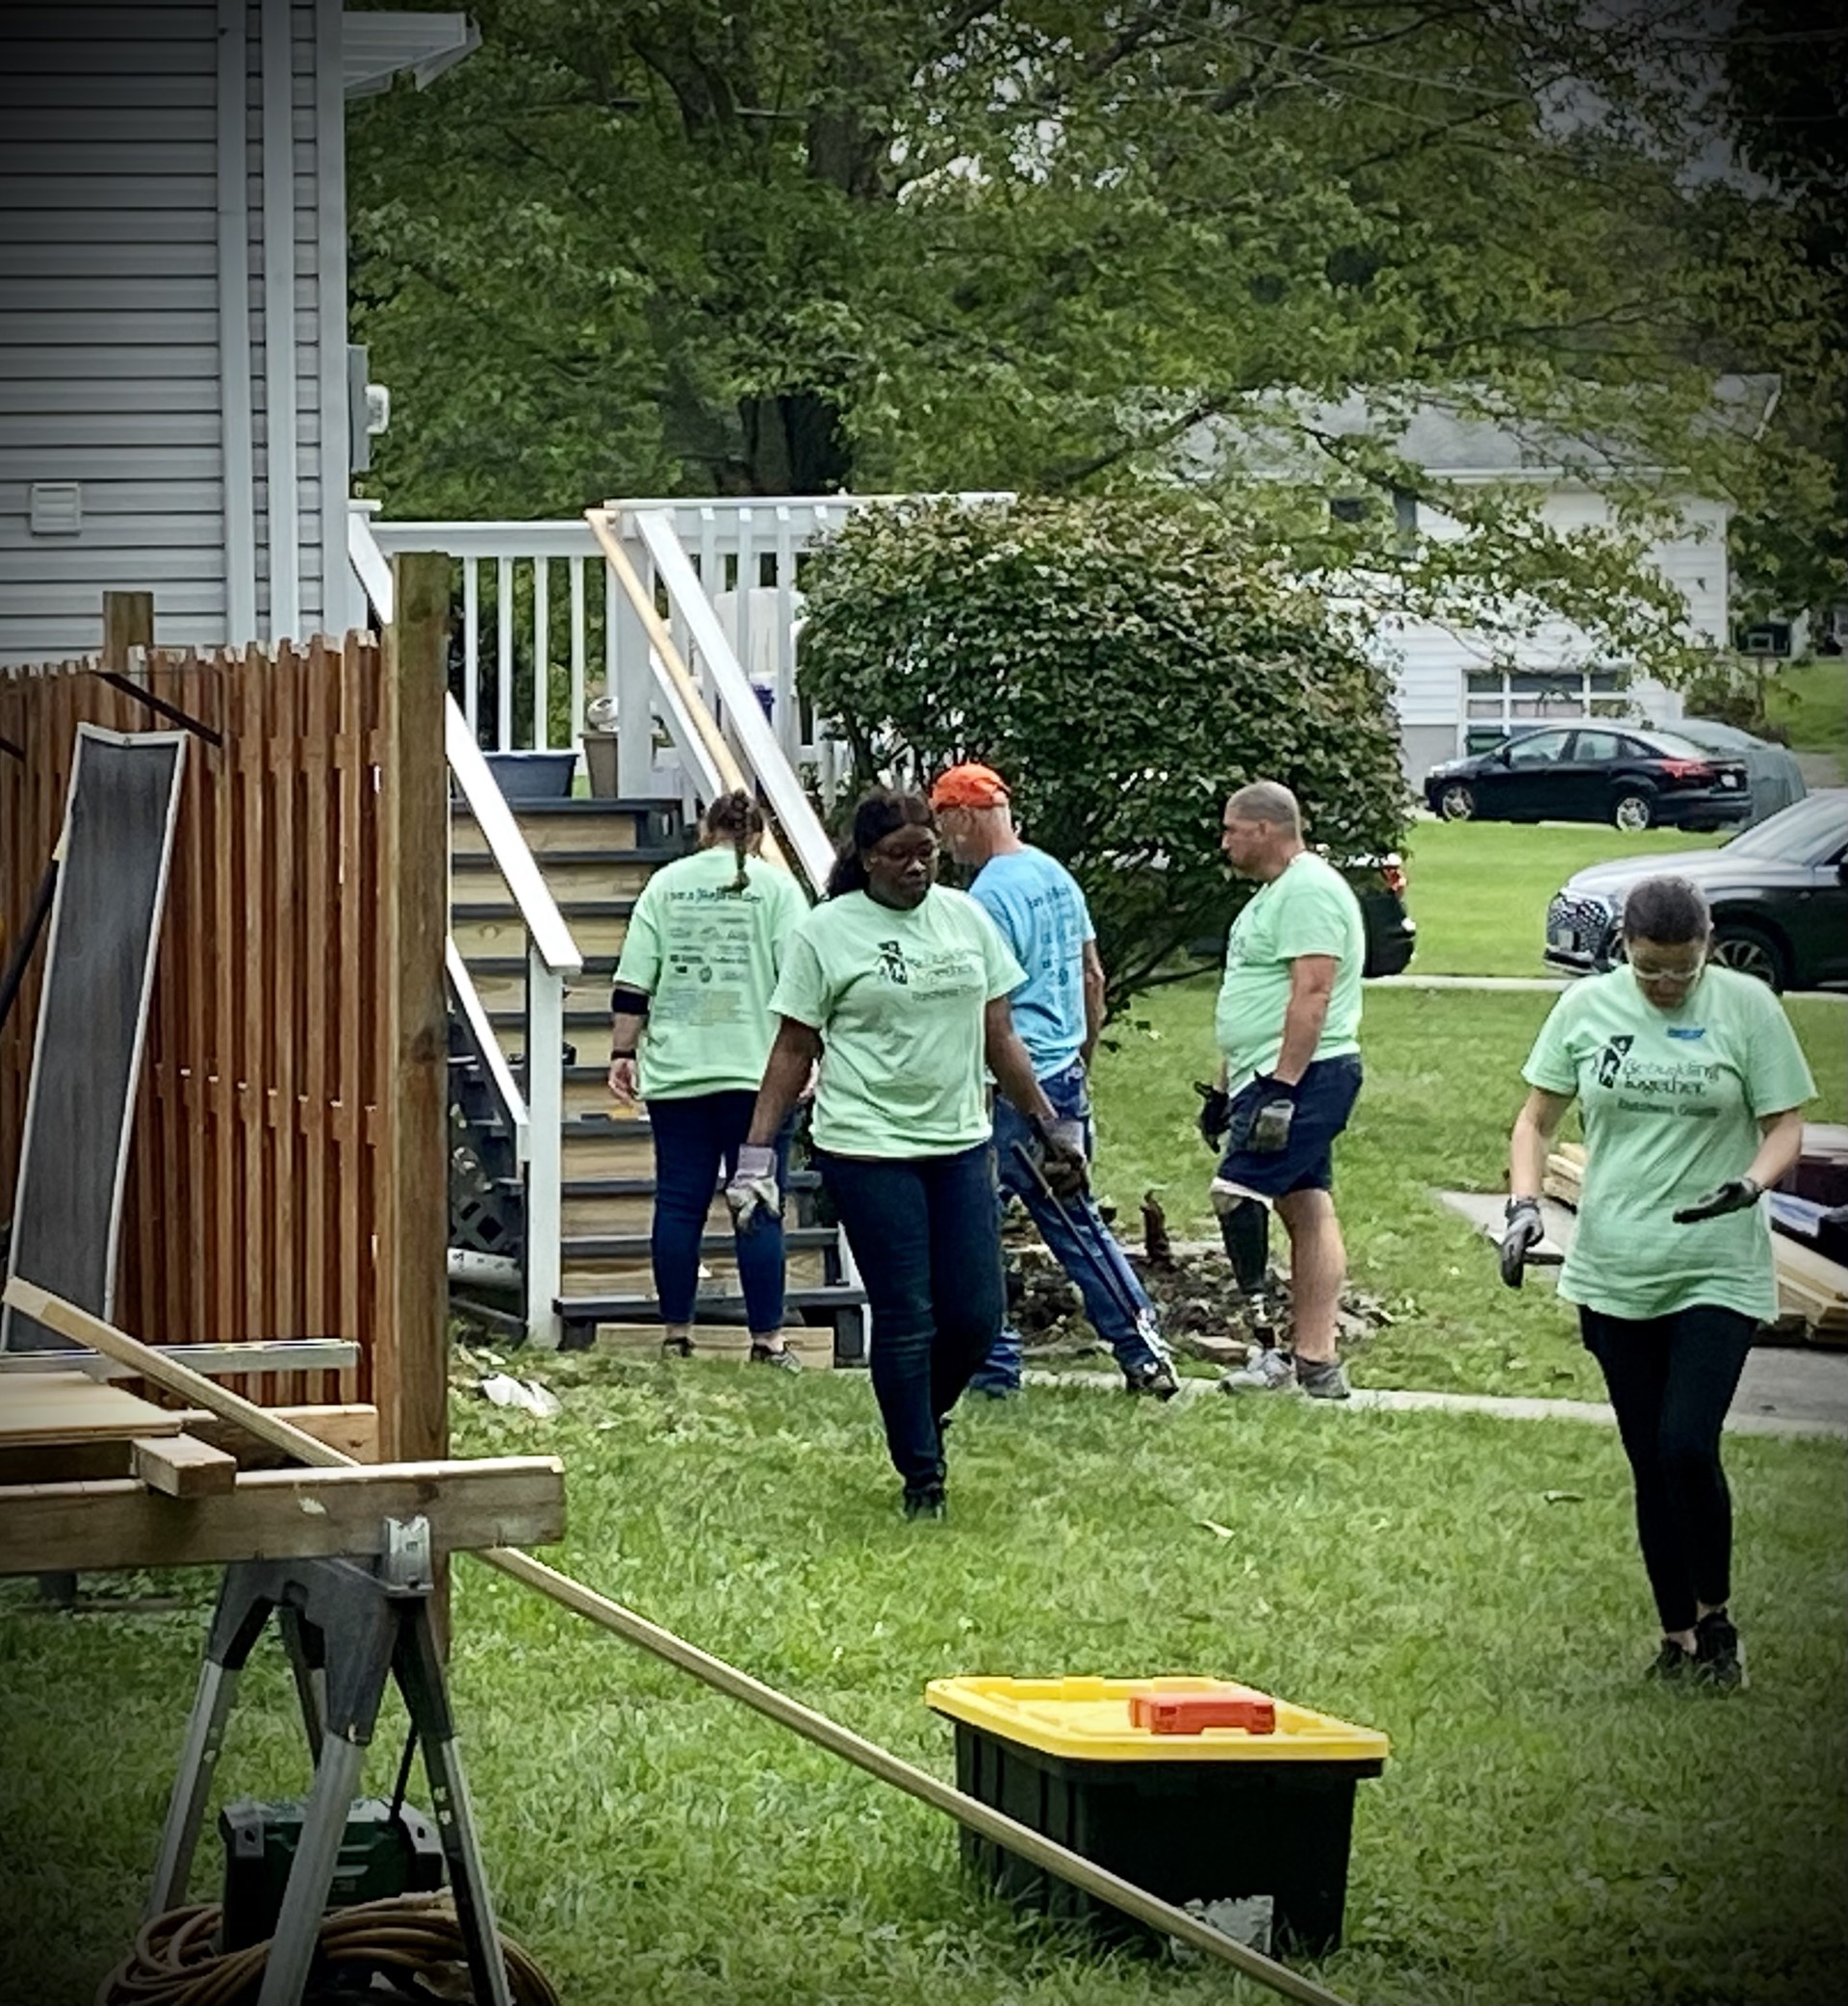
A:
(794, 445)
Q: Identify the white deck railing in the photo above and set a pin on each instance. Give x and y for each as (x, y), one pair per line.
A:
(542, 626)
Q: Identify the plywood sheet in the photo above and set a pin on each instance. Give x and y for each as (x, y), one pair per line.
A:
(65, 1406)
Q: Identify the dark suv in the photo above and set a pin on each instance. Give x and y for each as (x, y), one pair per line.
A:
(1778, 893)
(1631, 777)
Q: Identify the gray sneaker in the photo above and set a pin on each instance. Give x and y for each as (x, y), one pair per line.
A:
(1322, 1378)
(1264, 1371)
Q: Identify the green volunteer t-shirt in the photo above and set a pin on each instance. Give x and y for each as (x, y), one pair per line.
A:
(706, 958)
(1670, 1101)
(898, 999)
(1308, 909)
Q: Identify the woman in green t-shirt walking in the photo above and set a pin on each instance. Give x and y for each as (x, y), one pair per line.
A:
(899, 987)
(1691, 1084)
(691, 1029)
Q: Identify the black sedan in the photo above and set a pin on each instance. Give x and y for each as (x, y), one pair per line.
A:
(1632, 777)
(1778, 894)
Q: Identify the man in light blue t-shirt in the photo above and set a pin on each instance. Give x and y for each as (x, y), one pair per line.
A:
(1058, 1011)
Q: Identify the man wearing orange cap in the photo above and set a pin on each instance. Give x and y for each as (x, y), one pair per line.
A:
(1058, 1011)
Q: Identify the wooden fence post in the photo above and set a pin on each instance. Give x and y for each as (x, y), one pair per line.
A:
(411, 1362)
(128, 621)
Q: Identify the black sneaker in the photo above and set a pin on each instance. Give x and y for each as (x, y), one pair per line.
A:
(926, 1503)
(1719, 1658)
(1157, 1381)
(1674, 1663)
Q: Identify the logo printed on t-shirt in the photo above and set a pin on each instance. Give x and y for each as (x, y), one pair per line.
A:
(1611, 1059)
(1687, 1031)
(892, 963)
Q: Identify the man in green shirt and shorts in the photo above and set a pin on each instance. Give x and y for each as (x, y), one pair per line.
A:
(1287, 1027)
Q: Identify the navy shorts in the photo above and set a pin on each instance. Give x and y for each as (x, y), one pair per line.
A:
(1326, 1097)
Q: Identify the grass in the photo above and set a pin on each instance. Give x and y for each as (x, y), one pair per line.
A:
(1443, 1087)
(1810, 702)
(1548, 1830)
(1479, 890)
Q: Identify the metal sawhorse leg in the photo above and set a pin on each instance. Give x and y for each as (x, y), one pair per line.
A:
(346, 1628)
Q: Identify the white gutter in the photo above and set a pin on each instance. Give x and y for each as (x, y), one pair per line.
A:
(338, 613)
(234, 332)
(280, 460)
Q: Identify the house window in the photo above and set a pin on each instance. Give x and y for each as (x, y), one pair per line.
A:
(1513, 699)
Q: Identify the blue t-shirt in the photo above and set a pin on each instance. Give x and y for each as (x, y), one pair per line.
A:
(1042, 917)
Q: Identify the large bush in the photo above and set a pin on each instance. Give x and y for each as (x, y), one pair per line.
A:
(1125, 669)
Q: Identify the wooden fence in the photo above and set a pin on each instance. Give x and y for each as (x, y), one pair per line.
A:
(289, 1177)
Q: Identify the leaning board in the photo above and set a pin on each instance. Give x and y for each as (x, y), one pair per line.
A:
(92, 1018)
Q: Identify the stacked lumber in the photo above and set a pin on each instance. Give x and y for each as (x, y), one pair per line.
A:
(1812, 1291)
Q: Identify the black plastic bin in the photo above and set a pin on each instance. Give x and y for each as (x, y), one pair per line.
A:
(1204, 1818)
(532, 776)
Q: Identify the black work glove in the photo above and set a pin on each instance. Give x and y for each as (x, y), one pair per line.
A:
(1736, 1194)
(1520, 1236)
(1270, 1131)
(1061, 1158)
(1215, 1114)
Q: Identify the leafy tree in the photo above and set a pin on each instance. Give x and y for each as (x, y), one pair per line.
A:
(1785, 96)
(1125, 669)
(773, 245)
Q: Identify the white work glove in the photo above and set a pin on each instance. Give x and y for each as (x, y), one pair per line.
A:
(753, 1189)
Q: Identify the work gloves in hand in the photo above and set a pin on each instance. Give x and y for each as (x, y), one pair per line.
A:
(1737, 1194)
(1215, 1114)
(752, 1194)
(1520, 1236)
(1270, 1132)
(1061, 1158)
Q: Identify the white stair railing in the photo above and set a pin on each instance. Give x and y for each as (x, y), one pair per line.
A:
(729, 736)
(552, 959)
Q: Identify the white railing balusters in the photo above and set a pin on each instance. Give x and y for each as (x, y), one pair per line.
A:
(577, 697)
(472, 644)
(542, 658)
(503, 650)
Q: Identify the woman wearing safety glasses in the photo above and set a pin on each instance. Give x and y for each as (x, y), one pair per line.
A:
(1691, 1085)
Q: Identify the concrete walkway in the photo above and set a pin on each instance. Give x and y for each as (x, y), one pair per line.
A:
(1784, 1393)
(1538, 985)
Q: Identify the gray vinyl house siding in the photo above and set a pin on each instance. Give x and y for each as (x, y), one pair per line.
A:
(170, 185)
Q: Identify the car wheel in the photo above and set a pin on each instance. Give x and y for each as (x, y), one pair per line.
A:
(1750, 951)
(1632, 812)
(1457, 802)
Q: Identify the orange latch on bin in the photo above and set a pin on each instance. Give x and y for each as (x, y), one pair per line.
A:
(1190, 1712)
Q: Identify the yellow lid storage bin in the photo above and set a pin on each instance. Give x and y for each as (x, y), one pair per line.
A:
(1138, 1775)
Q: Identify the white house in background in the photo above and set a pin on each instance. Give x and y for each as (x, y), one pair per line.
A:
(179, 408)
(1452, 684)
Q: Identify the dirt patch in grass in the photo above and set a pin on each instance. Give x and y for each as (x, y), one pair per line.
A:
(1204, 1313)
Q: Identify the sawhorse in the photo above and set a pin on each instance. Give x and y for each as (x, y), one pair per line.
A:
(346, 1626)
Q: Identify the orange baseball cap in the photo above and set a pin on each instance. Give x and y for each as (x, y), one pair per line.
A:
(969, 785)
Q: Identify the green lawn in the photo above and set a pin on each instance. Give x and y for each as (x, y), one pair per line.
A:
(1443, 1087)
(1548, 1830)
(1479, 890)
(1809, 700)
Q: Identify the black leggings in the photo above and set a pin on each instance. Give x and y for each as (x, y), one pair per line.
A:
(1671, 1380)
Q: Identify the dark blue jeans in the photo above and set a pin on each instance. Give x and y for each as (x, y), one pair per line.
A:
(925, 1237)
(694, 1139)
(1077, 1239)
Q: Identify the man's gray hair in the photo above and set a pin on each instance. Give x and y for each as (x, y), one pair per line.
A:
(1267, 801)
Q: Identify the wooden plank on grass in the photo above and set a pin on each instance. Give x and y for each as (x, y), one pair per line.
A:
(281, 1514)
